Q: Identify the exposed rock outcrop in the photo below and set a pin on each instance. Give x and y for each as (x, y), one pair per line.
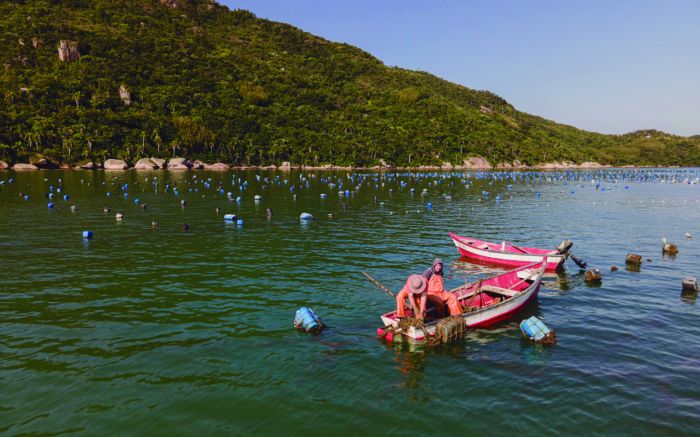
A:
(219, 166)
(476, 163)
(4, 165)
(115, 164)
(87, 166)
(179, 164)
(589, 164)
(68, 51)
(161, 163)
(145, 164)
(24, 167)
(125, 94)
(44, 164)
(199, 165)
(285, 166)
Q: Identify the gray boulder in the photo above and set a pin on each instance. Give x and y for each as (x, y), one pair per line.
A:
(199, 165)
(4, 165)
(179, 164)
(115, 164)
(219, 166)
(159, 162)
(45, 164)
(24, 167)
(145, 164)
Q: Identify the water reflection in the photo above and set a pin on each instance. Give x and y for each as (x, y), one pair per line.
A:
(411, 364)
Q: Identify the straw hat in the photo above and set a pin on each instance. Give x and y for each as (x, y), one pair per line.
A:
(417, 284)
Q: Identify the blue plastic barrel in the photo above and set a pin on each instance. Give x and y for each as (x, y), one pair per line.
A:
(534, 328)
(306, 320)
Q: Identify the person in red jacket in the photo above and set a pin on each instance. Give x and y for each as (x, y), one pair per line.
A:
(415, 291)
(436, 287)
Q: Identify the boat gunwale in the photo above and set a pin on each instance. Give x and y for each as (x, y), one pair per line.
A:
(525, 294)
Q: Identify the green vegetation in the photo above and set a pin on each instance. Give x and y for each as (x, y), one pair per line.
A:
(215, 84)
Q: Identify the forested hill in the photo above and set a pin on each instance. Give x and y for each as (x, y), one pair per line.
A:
(95, 79)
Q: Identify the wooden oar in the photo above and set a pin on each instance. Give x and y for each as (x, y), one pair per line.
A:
(378, 284)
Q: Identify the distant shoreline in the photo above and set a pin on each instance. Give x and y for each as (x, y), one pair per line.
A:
(482, 165)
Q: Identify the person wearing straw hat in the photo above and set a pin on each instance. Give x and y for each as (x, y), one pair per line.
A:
(436, 287)
(415, 291)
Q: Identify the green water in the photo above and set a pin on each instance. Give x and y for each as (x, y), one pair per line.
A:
(153, 331)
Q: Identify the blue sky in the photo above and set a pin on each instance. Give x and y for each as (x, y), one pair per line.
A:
(607, 66)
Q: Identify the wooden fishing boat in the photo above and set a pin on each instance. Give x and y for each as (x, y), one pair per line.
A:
(485, 302)
(508, 254)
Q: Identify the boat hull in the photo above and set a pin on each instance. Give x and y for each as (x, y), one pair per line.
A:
(485, 252)
(478, 318)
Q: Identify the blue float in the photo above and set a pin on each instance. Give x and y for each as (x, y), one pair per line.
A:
(535, 330)
(87, 234)
(306, 320)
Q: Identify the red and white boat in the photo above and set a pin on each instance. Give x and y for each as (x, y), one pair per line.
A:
(508, 254)
(486, 302)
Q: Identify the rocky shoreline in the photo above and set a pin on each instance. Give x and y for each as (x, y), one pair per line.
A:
(176, 164)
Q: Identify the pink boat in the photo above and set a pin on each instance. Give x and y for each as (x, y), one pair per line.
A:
(508, 254)
(486, 302)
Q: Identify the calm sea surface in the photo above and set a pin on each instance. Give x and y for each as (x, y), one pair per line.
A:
(153, 331)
